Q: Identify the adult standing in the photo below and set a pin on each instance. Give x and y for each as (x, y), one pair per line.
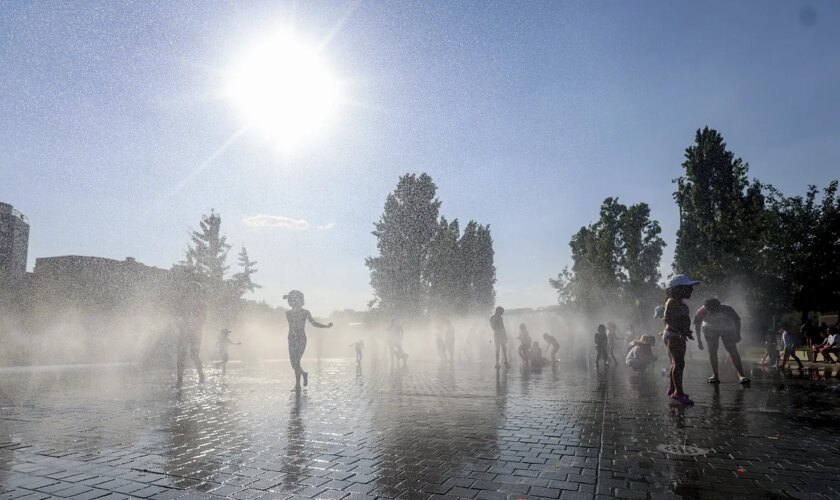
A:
(720, 323)
(499, 335)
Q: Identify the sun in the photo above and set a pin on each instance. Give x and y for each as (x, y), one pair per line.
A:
(283, 90)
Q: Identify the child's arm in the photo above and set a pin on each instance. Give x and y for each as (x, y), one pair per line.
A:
(315, 323)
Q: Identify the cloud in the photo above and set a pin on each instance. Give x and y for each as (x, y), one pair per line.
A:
(276, 221)
(326, 227)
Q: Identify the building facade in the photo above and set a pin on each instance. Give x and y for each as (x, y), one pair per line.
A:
(95, 281)
(14, 246)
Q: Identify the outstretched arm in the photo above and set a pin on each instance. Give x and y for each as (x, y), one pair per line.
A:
(315, 323)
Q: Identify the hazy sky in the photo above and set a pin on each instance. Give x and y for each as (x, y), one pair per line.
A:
(526, 114)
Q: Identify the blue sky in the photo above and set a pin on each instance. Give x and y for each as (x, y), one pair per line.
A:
(527, 115)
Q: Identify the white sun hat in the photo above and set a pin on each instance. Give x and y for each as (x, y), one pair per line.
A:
(681, 280)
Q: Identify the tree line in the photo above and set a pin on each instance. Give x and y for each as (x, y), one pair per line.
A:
(427, 266)
(736, 234)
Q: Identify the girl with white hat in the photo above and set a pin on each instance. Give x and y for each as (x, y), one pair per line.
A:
(677, 330)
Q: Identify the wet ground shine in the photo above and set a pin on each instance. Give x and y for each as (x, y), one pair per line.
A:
(425, 431)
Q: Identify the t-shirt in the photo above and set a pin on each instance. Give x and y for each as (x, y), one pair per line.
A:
(723, 318)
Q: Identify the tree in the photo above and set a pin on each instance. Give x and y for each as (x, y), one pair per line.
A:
(425, 265)
(803, 249)
(480, 267)
(615, 262)
(209, 249)
(716, 240)
(242, 279)
(206, 258)
(404, 236)
(446, 273)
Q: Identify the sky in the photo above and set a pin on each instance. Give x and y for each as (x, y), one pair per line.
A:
(117, 135)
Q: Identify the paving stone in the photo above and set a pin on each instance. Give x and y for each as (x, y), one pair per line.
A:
(427, 431)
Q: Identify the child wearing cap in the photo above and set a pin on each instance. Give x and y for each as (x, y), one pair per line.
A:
(222, 343)
(297, 317)
(677, 329)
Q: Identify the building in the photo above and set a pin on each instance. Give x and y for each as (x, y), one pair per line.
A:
(14, 245)
(95, 282)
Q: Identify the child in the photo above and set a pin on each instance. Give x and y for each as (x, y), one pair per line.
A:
(223, 342)
(359, 347)
(537, 359)
(612, 339)
(601, 346)
(524, 345)
(641, 355)
(677, 330)
(395, 336)
(790, 341)
(555, 346)
(449, 340)
(297, 317)
(499, 335)
(772, 350)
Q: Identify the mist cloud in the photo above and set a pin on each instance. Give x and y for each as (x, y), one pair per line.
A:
(276, 221)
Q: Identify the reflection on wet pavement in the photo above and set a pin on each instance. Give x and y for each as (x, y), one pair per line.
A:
(425, 431)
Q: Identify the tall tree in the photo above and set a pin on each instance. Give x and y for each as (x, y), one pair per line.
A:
(448, 280)
(209, 249)
(714, 240)
(242, 279)
(482, 270)
(802, 249)
(615, 261)
(206, 258)
(404, 234)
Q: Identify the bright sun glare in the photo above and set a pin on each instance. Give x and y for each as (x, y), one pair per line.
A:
(283, 90)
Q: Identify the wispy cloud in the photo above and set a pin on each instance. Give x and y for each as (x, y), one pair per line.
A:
(326, 227)
(276, 221)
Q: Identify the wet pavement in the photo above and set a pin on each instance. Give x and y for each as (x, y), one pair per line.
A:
(427, 431)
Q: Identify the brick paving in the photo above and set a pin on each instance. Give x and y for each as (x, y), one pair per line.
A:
(428, 431)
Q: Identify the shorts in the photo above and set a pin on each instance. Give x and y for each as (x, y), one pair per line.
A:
(500, 338)
(727, 336)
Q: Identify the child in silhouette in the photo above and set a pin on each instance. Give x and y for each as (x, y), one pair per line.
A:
(395, 337)
(555, 346)
(297, 317)
(223, 342)
(601, 346)
(524, 345)
(537, 359)
(499, 335)
(359, 347)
